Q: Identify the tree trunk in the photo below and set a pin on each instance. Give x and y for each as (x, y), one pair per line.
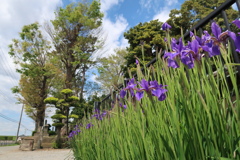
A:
(83, 81)
(41, 107)
(58, 140)
(67, 120)
(68, 82)
(36, 125)
(40, 117)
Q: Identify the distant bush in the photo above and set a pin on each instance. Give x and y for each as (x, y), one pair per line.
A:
(33, 132)
(51, 133)
(7, 137)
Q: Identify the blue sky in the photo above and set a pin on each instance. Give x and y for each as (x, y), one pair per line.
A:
(120, 15)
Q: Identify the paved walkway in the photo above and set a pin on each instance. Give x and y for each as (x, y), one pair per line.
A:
(13, 153)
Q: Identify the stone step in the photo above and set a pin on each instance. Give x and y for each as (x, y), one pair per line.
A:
(47, 145)
(48, 139)
(27, 144)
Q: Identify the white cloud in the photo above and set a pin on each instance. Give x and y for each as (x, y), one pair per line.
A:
(154, 5)
(171, 2)
(14, 14)
(113, 35)
(107, 4)
(163, 15)
(146, 4)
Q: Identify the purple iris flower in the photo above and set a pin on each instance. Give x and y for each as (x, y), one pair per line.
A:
(139, 95)
(197, 55)
(99, 116)
(194, 46)
(158, 90)
(123, 106)
(166, 26)
(178, 50)
(190, 54)
(212, 49)
(73, 133)
(188, 60)
(145, 85)
(162, 97)
(212, 46)
(237, 43)
(172, 63)
(76, 126)
(137, 62)
(97, 110)
(174, 43)
(236, 22)
(191, 34)
(131, 86)
(89, 125)
(236, 38)
(122, 93)
(104, 113)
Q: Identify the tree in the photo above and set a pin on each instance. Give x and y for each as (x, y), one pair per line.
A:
(31, 53)
(75, 38)
(192, 11)
(63, 105)
(110, 70)
(85, 107)
(147, 37)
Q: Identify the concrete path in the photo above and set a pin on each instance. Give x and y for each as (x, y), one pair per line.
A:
(13, 153)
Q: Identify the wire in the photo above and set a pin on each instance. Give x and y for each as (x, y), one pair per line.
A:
(8, 70)
(8, 118)
(12, 120)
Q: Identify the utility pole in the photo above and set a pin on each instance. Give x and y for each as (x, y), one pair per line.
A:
(19, 123)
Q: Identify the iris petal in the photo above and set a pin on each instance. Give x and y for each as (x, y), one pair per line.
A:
(216, 30)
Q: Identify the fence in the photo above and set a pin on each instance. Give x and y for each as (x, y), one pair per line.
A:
(6, 142)
(198, 27)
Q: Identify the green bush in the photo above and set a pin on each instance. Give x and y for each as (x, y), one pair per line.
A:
(51, 133)
(58, 124)
(33, 132)
(7, 137)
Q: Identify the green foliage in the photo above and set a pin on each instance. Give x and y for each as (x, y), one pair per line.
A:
(75, 25)
(59, 116)
(85, 107)
(15, 89)
(51, 100)
(73, 116)
(57, 145)
(193, 11)
(31, 53)
(63, 105)
(110, 70)
(73, 98)
(7, 137)
(66, 91)
(58, 124)
(33, 132)
(147, 37)
(52, 133)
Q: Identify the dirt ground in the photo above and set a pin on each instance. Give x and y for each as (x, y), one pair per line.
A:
(13, 153)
